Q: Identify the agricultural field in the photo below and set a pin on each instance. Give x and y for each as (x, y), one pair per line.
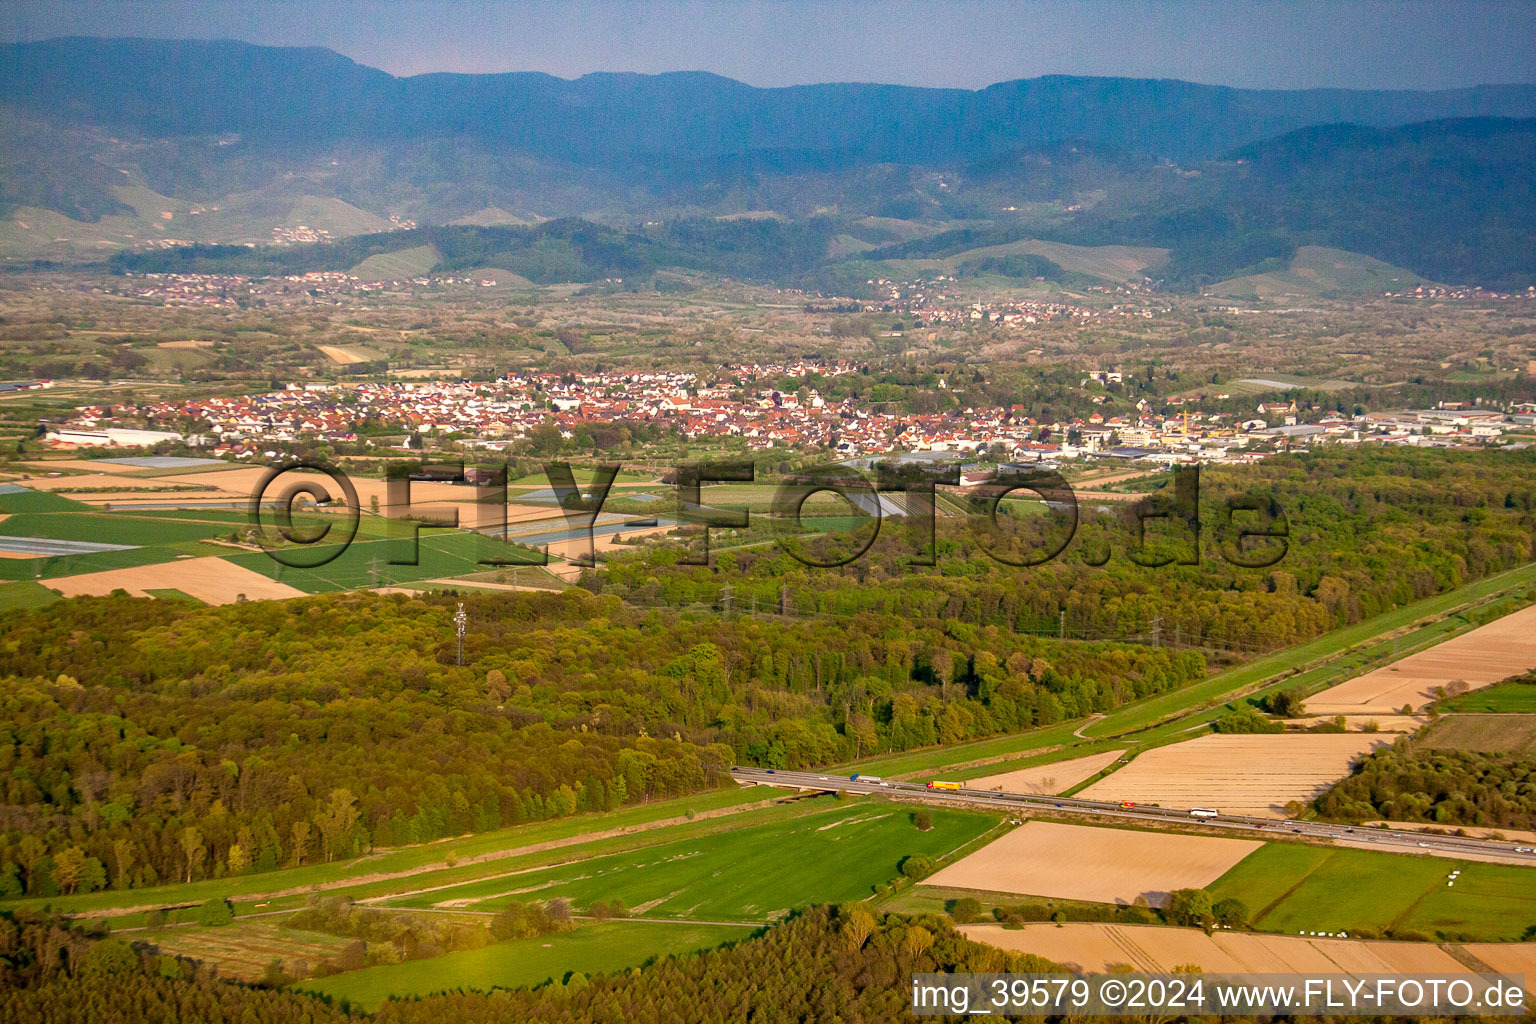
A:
(1099, 865)
(209, 580)
(1517, 698)
(1246, 774)
(25, 594)
(392, 870)
(1291, 887)
(349, 355)
(756, 873)
(1150, 948)
(1509, 958)
(1491, 653)
(1054, 777)
(86, 540)
(244, 949)
(590, 949)
(392, 266)
(367, 563)
(93, 549)
(1488, 734)
(1315, 270)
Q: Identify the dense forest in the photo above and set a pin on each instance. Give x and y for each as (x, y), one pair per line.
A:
(1410, 782)
(149, 741)
(1368, 530)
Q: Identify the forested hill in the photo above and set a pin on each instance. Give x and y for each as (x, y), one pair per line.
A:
(1452, 201)
(554, 252)
(225, 143)
(189, 87)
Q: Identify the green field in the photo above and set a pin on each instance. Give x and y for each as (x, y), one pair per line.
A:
(1290, 888)
(1505, 734)
(758, 873)
(1110, 262)
(159, 537)
(107, 527)
(404, 860)
(1315, 270)
(1501, 697)
(366, 563)
(402, 265)
(38, 501)
(171, 594)
(25, 594)
(590, 949)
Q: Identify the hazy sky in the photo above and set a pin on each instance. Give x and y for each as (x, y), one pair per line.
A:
(1363, 44)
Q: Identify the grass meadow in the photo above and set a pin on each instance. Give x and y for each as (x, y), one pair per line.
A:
(589, 949)
(1292, 887)
(757, 873)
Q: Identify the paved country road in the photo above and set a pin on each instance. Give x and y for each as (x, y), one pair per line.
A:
(1262, 828)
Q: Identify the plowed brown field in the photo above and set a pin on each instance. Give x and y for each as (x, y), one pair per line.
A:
(211, 580)
(1504, 647)
(1150, 948)
(1101, 865)
(1239, 774)
(1056, 777)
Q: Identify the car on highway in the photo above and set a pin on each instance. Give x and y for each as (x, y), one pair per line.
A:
(1524, 849)
(1127, 804)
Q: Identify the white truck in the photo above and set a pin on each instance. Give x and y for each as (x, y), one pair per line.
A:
(1203, 812)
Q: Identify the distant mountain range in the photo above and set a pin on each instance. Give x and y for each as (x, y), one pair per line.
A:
(111, 142)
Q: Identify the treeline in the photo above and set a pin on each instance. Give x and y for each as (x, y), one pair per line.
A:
(144, 742)
(1369, 530)
(1411, 782)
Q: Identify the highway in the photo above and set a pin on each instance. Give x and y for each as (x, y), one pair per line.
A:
(1257, 828)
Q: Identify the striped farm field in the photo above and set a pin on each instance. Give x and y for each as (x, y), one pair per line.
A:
(1241, 774)
(1055, 777)
(244, 949)
(1097, 947)
(210, 580)
(1491, 653)
(1099, 865)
